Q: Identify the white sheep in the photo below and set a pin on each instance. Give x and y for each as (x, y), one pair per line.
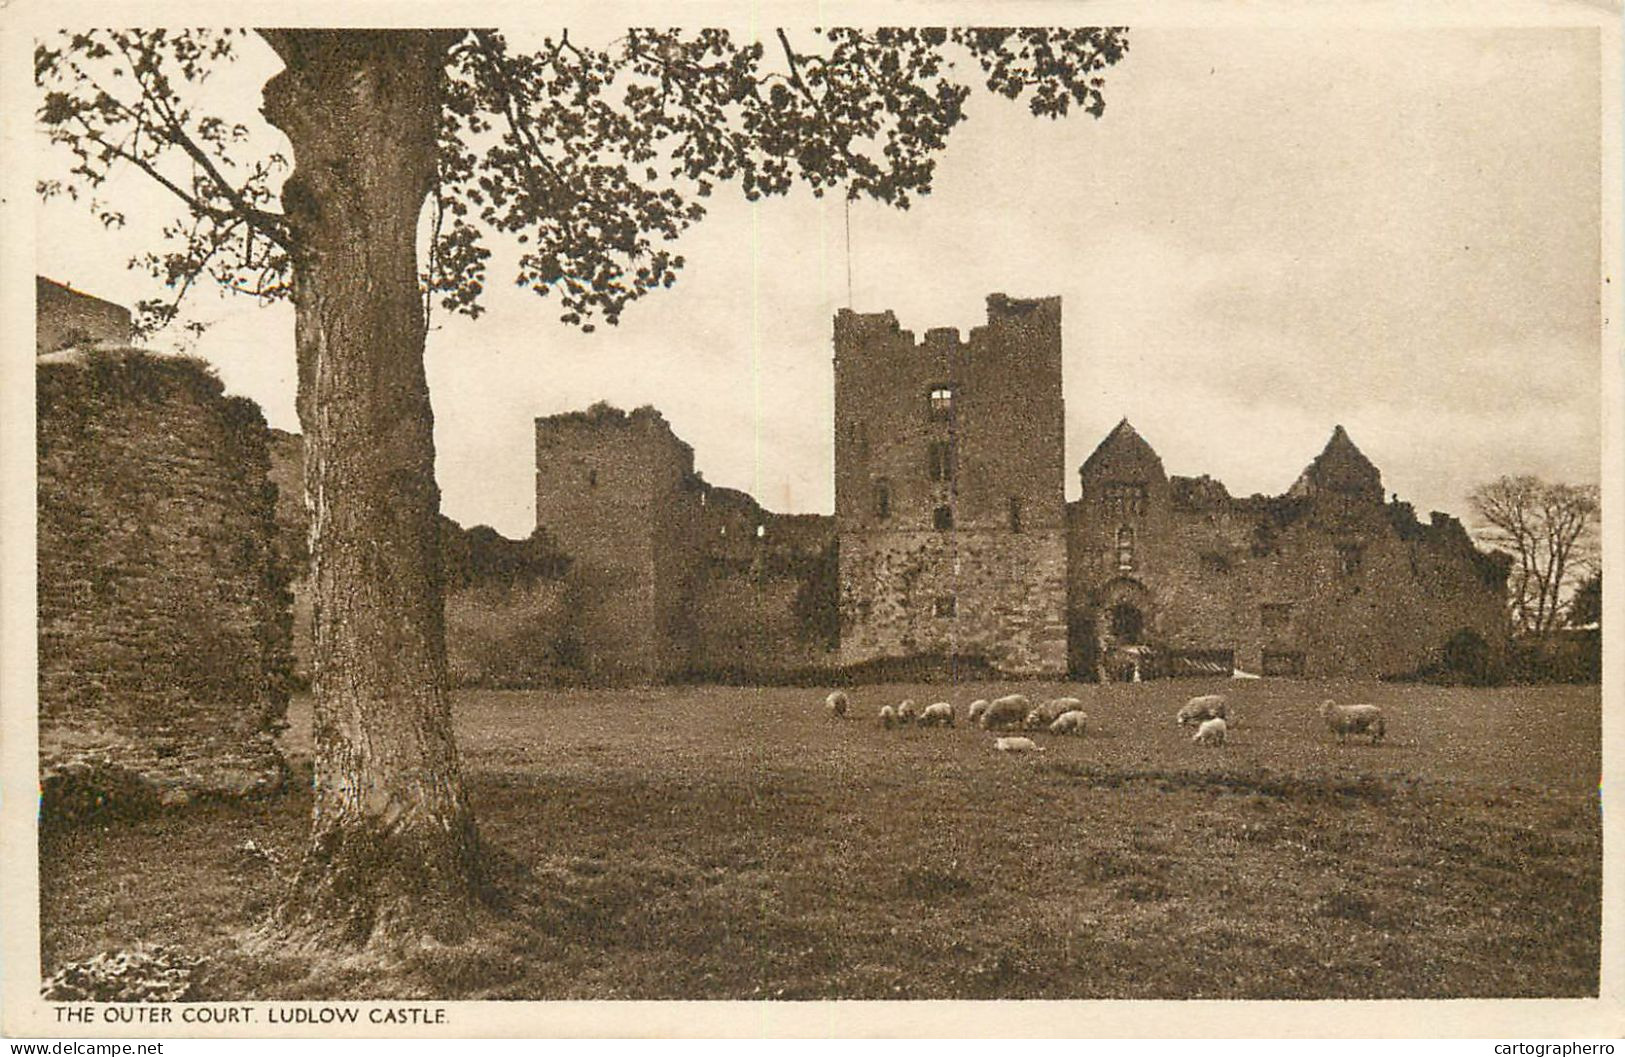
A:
(977, 707)
(888, 716)
(1207, 706)
(1017, 745)
(1069, 723)
(1007, 711)
(1211, 732)
(940, 714)
(837, 703)
(1050, 711)
(907, 712)
(1354, 719)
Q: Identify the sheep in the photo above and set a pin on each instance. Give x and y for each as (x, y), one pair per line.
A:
(940, 714)
(1208, 706)
(1354, 719)
(1211, 732)
(1008, 711)
(907, 713)
(888, 716)
(1068, 723)
(1050, 711)
(1017, 745)
(977, 707)
(837, 703)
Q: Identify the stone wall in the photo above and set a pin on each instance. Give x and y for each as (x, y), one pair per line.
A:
(163, 612)
(669, 576)
(989, 595)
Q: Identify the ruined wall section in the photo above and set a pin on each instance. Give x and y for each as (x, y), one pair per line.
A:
(949, 473)
(163, 609)
(756, 600)
(670, 576)
(1324, 580)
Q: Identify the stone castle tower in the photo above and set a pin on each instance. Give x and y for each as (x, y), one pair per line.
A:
(617, 491)
(949, 476)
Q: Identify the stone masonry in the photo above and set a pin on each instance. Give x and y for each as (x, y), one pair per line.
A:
(949, 477)
(952, 538)
(1327, 579)
(163, 612)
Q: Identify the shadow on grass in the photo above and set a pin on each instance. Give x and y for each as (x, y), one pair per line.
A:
(1361, 789)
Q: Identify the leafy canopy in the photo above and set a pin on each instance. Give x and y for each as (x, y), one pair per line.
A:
(593, 158)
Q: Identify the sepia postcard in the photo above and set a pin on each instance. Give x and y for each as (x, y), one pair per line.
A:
(884, 519)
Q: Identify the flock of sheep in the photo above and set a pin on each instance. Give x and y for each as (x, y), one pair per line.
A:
(1064, 715)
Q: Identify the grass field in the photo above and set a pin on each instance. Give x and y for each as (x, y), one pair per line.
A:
(706, 842)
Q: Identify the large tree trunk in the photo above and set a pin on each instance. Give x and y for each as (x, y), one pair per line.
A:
(393, 852)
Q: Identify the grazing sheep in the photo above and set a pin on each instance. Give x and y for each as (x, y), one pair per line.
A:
(888, 716)
(907, 712)
(1068, 723)
(1208, 706)
(940, 714)
(1211, 732)
(1050, 711)
(1008, 711)
(1354, 719)
(977, 707)
(1017, 745)
(837, 703)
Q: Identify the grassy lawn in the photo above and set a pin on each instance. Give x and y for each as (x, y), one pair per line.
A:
(708, 842)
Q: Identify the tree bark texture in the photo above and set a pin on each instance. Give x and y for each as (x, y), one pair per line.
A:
(393, 851)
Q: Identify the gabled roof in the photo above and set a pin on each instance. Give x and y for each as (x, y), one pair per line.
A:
(1125, 455)
(1340, 467)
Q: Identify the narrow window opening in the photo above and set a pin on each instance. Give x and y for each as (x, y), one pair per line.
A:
(882, 505)
(945, 606)
(942, 518)
(1124, 499)
(1125, 548)
(942, 402)
(1015, 514)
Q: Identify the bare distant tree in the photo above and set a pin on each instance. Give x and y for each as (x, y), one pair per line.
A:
(1551, 532)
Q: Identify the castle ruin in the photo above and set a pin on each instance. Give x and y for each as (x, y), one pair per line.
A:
(954, 539)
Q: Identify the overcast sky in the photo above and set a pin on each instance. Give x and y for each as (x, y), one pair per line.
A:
(1269, 233)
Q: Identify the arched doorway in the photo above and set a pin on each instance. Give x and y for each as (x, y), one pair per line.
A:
(1126, 624)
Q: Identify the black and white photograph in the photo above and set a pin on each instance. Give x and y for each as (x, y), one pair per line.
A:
(523, 514)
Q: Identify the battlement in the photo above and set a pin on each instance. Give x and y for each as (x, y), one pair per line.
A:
(876, 332)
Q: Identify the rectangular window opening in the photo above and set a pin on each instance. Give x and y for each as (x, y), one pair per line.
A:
(942, 402)
(882, 505)
(1123, 498)
(945, 606)
(1015, 514)
(942, 518)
